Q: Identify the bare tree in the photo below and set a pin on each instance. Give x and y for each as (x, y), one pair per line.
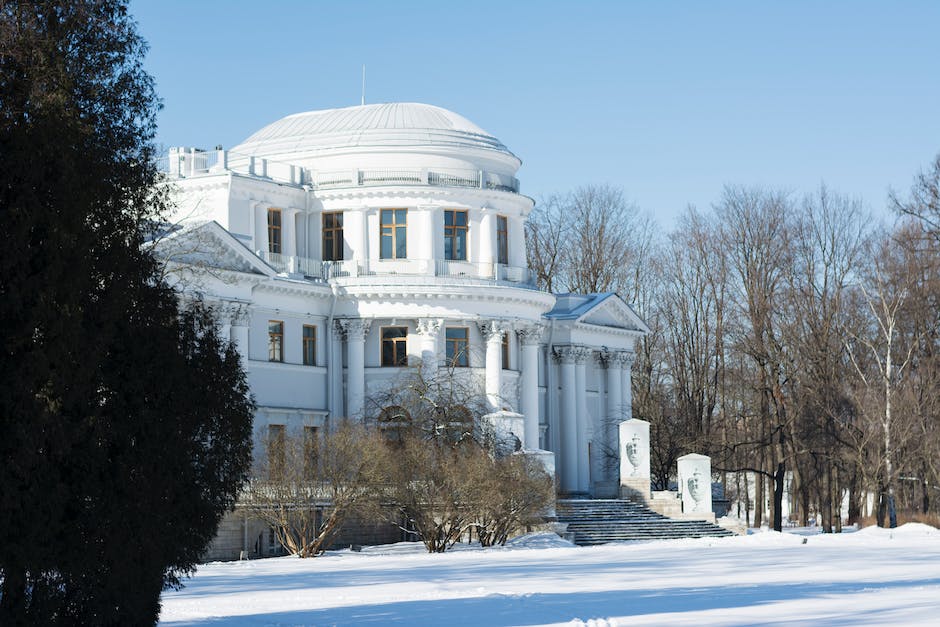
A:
(514, 492)
(755, 231)
(590, 240)
(449, 472)
(828, 235)
(307, 485)
(884, 291)
(924, 200)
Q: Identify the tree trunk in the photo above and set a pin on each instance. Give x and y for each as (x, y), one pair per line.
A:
(825, 500)
(778, 495)
(882, 504)
(855, 505)
(837, 499)
(759, 500)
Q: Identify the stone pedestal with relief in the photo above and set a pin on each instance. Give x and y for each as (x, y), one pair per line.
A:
(695, 486)
(634, 450)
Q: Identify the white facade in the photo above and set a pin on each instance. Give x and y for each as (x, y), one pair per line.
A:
(431, 244)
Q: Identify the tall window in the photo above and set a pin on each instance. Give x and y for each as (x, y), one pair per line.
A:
(455, 235)
(458, 345)
(275, 451)
(333, 236)
(274, 231)
(505, 351)
(275, 340)
(310, 345)
(394, 346)
(502, 240)
(394, 234)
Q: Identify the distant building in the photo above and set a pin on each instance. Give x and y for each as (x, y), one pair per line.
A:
(339, 246)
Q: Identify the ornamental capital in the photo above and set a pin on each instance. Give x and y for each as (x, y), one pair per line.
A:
(582, 354)
(237, 313)
(354, 328)
(617, 359)
(531, 333)
(429, 326)
(568, 354)
(493, 330)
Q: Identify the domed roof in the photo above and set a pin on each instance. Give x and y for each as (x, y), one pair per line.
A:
(394, 124)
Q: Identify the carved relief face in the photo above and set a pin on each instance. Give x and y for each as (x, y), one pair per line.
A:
(696, 486)
(632, 450)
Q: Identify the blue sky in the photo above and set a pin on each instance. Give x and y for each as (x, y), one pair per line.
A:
(668, 100)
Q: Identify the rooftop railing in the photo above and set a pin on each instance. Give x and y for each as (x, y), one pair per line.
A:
(192, 162)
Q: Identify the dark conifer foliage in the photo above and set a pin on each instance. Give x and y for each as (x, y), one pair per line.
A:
(125, 420)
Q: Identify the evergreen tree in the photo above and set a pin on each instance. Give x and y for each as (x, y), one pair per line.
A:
(125, 420)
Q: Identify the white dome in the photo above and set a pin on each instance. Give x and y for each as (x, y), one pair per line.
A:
(400, 124)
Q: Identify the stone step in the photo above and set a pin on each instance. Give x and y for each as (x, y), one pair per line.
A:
(600, 521)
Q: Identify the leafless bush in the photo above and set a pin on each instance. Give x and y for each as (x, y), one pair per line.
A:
(307, 485)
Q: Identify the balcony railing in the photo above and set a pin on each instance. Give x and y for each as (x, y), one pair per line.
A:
(354, 268)
(292, 264)
(191, 162)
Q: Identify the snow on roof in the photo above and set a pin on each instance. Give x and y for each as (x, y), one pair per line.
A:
(573, 306)
(389, 124)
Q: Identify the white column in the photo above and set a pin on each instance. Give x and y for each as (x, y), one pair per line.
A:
(289, 231)
(614, 387)
(487, 235)
(516, 236)
(239, 329)
(429, 330)
(355, 232)
(260, 213)
(565, 355)
(424, 248)
(627, 358)
(355, 330)
(530, 337)
(584, 469)
(614, 365)
(335, 376)
(492, 332)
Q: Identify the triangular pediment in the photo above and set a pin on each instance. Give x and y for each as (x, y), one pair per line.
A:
(605, 310)
(209, 245)
(614, 312)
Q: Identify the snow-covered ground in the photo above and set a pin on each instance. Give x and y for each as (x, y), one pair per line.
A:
(871, 577)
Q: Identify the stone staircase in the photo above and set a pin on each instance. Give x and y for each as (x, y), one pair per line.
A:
(614, 520)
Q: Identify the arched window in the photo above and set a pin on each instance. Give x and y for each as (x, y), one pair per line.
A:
(393, 421)
(457, 422)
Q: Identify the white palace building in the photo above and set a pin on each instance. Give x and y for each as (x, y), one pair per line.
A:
(340, 246)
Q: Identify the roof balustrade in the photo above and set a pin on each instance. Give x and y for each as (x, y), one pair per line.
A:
(181, 163)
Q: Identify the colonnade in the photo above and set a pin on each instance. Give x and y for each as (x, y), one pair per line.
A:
(428, 330)
(573, 466)
(575, 471)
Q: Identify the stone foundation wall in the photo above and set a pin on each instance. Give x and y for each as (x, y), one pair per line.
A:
(635, 489)
(240, 535)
